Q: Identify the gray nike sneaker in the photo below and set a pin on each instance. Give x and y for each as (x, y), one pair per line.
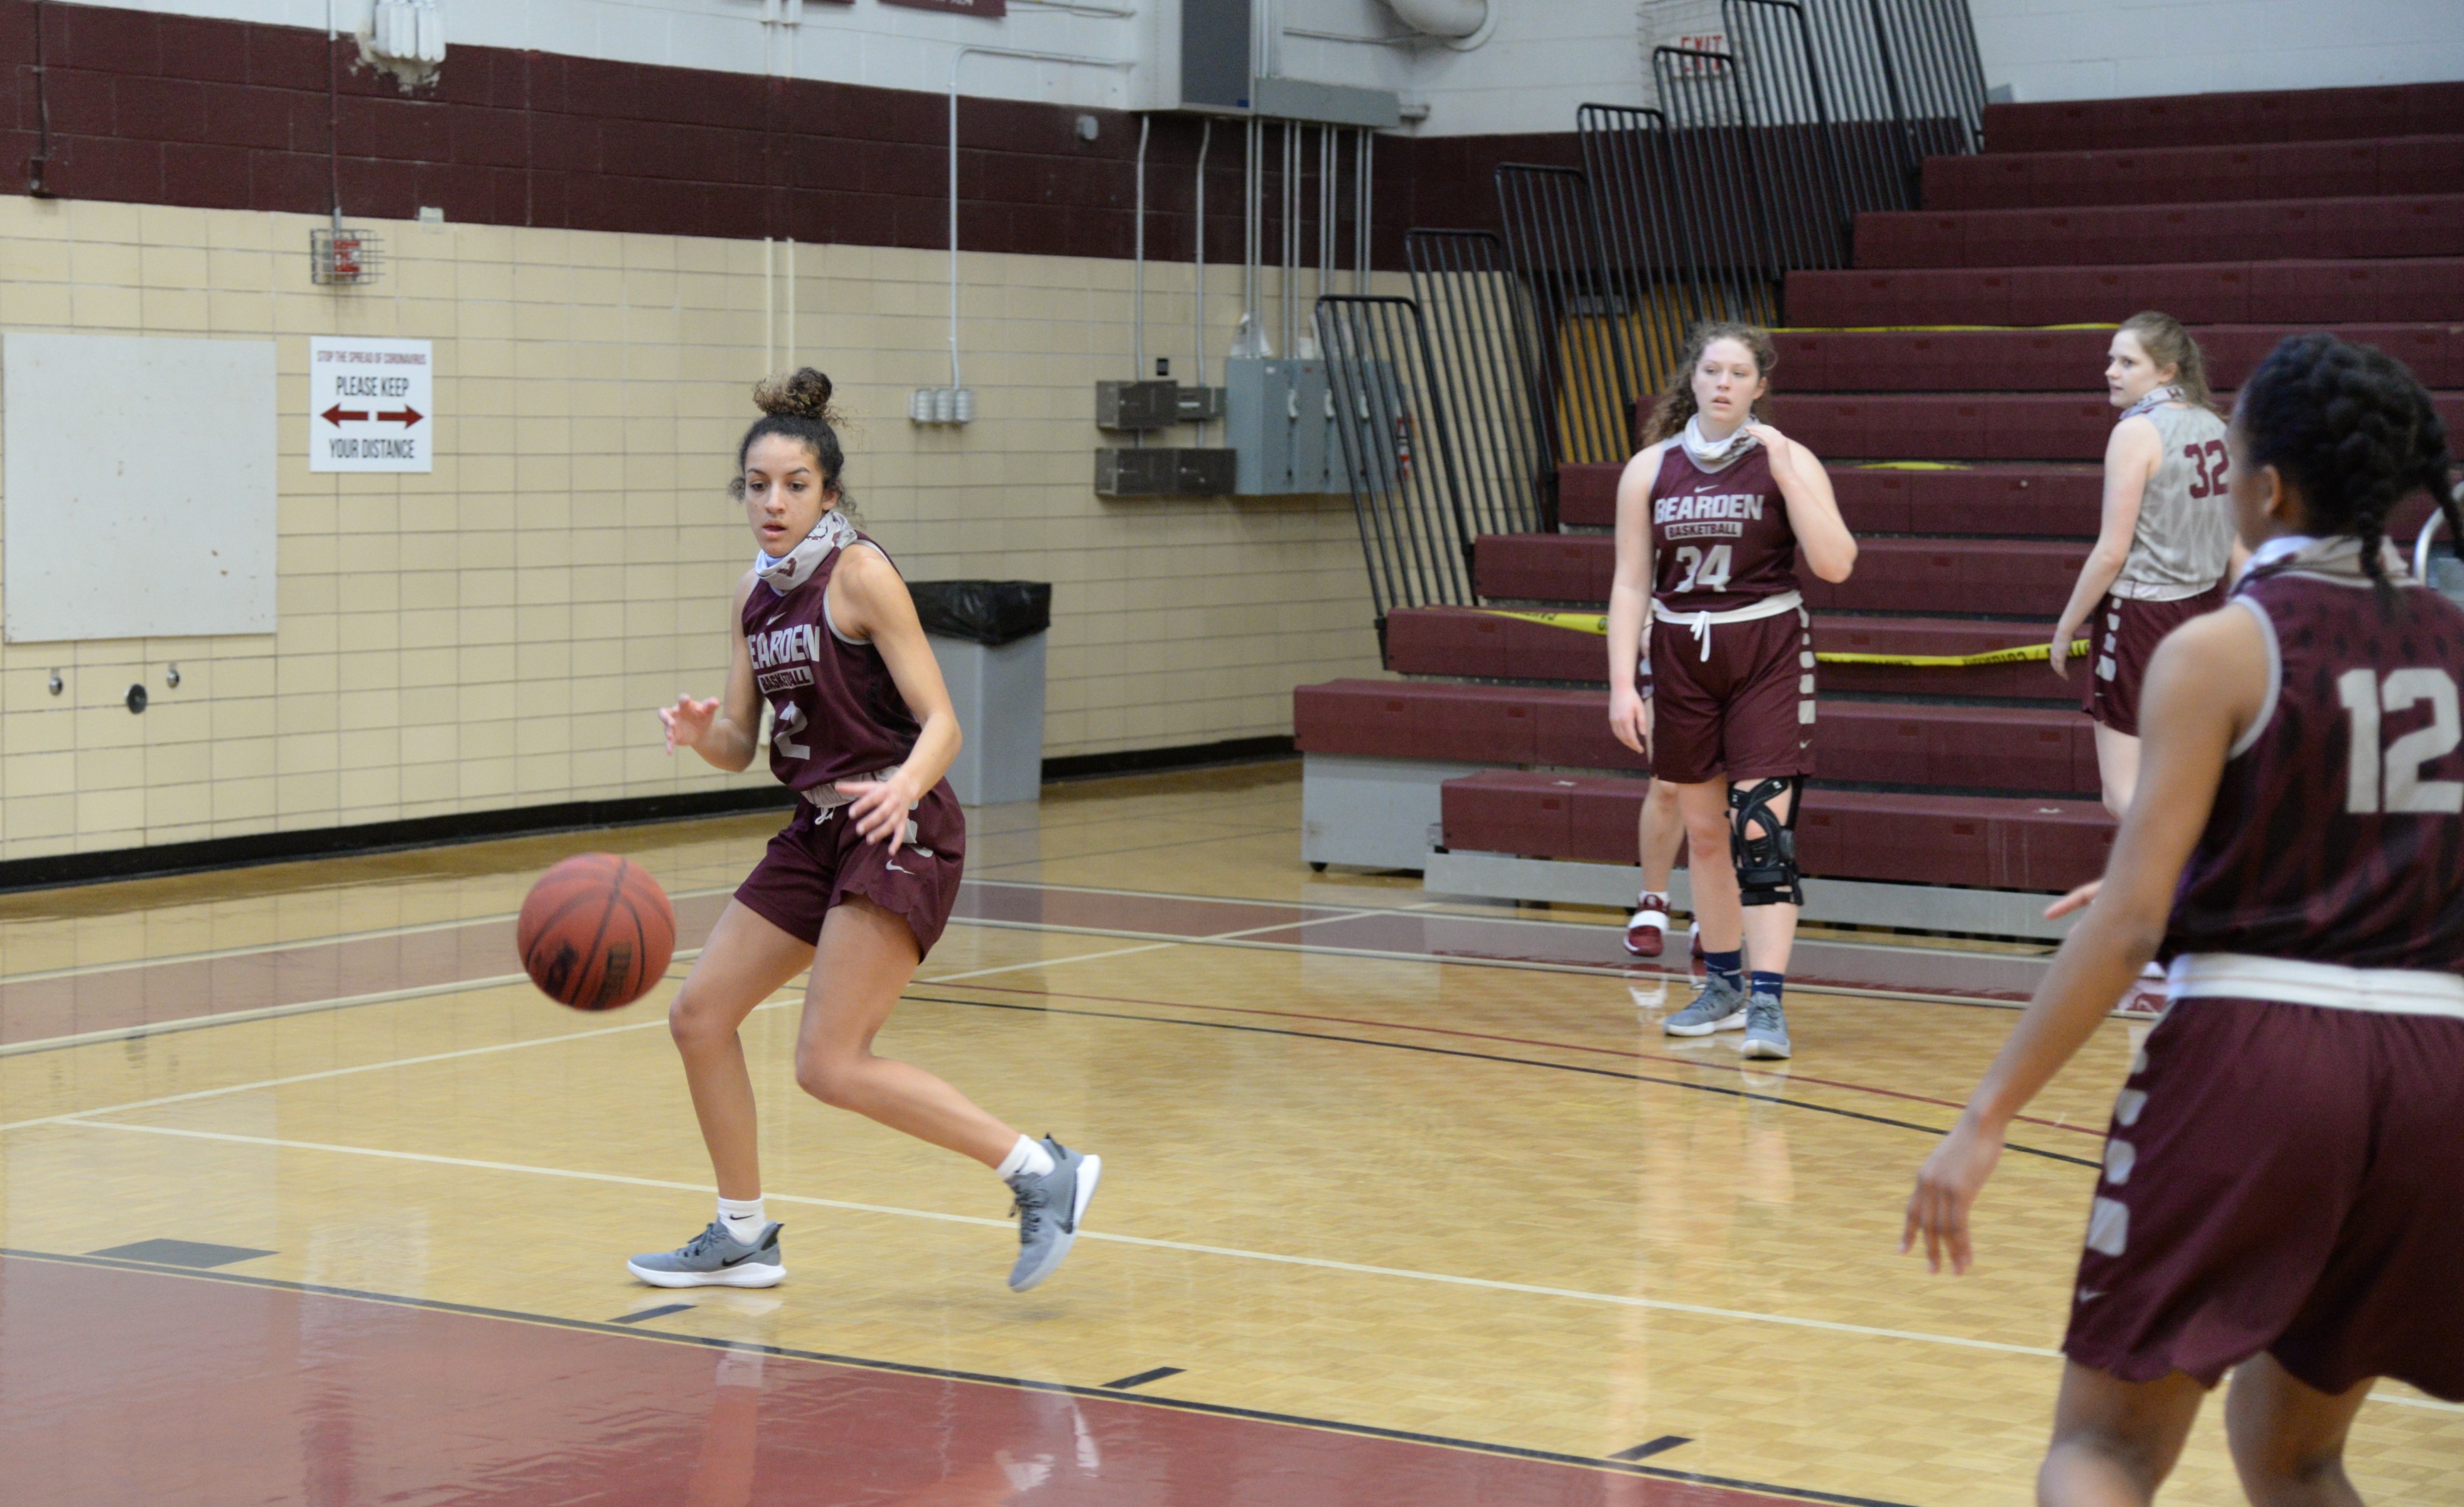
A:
(714, 1258)
(1766, 1028)
(1049, 1210)
(1719, 1007)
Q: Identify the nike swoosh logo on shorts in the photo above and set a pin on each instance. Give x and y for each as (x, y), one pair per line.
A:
(2087, 1297)
(896, 868)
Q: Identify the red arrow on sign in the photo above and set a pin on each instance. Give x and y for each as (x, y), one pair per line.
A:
(339, 414)
(405, 419)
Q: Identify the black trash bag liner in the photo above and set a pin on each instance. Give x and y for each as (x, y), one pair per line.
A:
(989, 612)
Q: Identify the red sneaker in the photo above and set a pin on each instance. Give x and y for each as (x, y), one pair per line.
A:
(1646, 930)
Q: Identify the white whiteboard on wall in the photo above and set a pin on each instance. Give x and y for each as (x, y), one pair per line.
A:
(138, 478)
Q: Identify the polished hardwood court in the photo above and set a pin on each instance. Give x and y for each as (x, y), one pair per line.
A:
(306, 1195)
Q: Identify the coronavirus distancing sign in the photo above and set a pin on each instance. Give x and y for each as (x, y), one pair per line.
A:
(371, 404)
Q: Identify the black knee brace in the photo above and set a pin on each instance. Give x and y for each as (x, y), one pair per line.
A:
(1766, 865)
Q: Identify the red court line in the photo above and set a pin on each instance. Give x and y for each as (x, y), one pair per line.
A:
(1517, 1041)
(265, 1392)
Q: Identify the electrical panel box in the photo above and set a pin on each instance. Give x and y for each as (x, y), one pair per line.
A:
(1164, 471)
(1279, 416)
(1143, 405)
(1138, 404)
(1214, 42)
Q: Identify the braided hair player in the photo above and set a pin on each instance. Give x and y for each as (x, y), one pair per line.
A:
(2281, 1194)
(1711, 517)
(861, 882)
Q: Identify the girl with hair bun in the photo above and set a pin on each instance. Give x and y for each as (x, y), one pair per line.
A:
(2282, 1195)
(861, 882)
(2166, 537)
(1711, 666)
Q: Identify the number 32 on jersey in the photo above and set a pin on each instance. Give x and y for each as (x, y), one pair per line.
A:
(2391, 781)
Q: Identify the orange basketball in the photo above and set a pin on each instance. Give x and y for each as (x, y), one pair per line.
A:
(595, 932)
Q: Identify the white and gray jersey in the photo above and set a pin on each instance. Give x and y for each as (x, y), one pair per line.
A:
(2184, 537)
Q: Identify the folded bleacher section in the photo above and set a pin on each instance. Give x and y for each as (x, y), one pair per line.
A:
(1963, 424)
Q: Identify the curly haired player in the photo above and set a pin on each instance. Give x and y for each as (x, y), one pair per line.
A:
(860, 884)
(2282, 1195)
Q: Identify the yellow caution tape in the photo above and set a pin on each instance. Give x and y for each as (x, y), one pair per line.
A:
(1906, 465)
(1597, 622)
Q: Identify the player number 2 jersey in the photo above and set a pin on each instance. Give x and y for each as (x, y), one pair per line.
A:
(2337, 832)
(1720, 540)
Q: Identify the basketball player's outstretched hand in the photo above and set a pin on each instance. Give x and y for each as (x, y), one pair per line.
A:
(2075, 900)
(1947, 1189)
(688, 721)
(880, 807)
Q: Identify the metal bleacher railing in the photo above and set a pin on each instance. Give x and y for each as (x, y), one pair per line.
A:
(1521, 352)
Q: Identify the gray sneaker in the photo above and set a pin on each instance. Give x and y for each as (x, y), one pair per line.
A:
(1766, 1028)
(714, 1258)
(1719, 1007)
(1049, 1210)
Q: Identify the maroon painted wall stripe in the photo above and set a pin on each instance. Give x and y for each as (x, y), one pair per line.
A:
(165, 109)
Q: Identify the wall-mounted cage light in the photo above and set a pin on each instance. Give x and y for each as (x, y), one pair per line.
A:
(344, 256)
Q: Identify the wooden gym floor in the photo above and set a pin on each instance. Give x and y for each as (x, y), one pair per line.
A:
(305, 1196)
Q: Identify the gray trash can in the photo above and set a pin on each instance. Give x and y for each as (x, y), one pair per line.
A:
(988, 636)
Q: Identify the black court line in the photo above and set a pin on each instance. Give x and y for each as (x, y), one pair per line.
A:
(660, 1312)
(1489, 1056)
(980, 1377)
(1143, 1378)
(1660, 1446)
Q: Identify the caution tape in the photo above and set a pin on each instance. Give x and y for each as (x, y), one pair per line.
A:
(1597, 622)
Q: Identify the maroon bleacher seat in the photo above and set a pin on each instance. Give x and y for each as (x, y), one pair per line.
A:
(1964, 457)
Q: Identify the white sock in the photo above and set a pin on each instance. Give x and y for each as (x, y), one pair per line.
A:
(744, 1218)
(1027, 1158)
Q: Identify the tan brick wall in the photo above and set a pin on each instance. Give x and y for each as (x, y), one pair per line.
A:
(498, 634)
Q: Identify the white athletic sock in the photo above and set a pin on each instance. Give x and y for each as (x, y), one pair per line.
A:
(744, 1218)
(1027, 1158)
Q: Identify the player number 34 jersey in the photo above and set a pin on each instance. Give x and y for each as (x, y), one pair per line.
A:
(1720, 540)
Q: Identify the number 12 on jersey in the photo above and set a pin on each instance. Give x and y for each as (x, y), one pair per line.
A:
(2392, 782)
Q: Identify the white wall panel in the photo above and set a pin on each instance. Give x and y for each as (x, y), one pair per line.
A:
(1544, 57)
(140, 482)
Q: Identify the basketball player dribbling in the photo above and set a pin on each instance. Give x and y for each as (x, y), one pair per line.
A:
(859, 885)
(1712, 516)
(2167, 539)
(2282, 1195)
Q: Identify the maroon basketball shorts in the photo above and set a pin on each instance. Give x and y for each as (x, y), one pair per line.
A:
(2282, 1177)
(818, 860)
(1746, 712)
(2123, 635)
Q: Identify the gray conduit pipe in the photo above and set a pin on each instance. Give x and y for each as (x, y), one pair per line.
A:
(963, 53)
(1138, 275)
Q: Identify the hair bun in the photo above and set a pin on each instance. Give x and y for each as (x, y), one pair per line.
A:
(801, 393)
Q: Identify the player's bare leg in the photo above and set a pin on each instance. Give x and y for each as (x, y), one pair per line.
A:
(1718, 913)
(867, 955)
(2288, 1437)
(1658, 831)
(745, 961)
(866, 958)
(2115, 1441)
(2117, 766)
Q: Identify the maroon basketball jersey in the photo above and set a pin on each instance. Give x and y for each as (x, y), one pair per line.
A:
(835, 712)
(2338, 834)
(1720, 539)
